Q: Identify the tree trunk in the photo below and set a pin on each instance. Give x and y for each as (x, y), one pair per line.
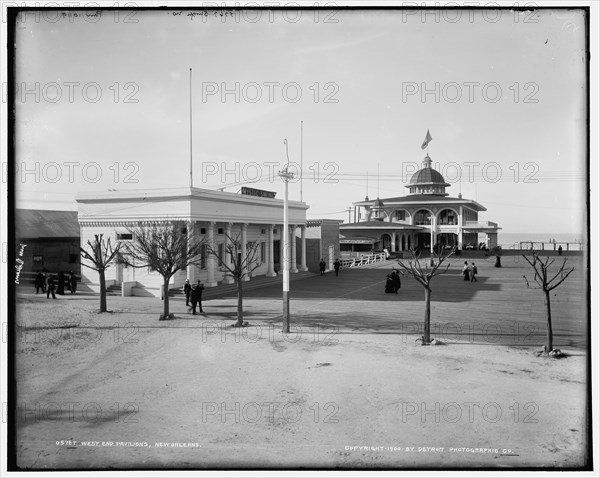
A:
(166, 297)
(240, 308)
(426, 336)
(102, 291)
(548, 322)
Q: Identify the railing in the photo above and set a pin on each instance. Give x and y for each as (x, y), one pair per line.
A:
(480, 224)
(364, 260)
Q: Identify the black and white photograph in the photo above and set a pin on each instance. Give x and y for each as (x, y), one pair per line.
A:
(299, 237)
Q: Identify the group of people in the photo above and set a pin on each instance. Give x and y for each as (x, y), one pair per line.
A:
(392, 283)
(48, 285)
(469, 272)
(193, 294)
(323, 267)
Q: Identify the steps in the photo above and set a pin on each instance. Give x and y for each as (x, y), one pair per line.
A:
(113, 290)
(225, 290)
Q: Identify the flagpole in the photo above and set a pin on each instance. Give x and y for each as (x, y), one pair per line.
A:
(301, 162)
(191, 163)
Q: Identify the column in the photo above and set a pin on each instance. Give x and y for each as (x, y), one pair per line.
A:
(210, 259)
(270, 258)
(294, 265)
(460, 228)
(303, 267)
(244, 240)
(227, 259)
(394, 241)
(282, 254)
(192, 239)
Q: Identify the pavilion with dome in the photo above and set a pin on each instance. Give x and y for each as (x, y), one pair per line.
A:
(427, 216)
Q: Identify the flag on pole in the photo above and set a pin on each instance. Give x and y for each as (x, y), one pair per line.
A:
(428, 138)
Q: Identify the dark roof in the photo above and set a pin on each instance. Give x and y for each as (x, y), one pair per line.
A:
(423, 197)
(38, 223)
(378, 203)
(427, 176)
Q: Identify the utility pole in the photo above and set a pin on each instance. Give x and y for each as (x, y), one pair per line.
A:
(349, 214)
(191, 163)
(286, 176)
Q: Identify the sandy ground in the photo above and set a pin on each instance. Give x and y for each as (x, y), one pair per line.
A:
(123, 390)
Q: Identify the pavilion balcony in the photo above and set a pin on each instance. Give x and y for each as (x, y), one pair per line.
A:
(480, 225)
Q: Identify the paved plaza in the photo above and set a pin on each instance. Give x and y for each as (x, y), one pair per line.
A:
(348, 388)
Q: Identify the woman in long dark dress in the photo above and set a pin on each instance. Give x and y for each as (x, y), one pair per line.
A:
(60, 288)
(389, 284)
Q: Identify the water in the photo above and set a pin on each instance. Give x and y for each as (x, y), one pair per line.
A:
(509, 240)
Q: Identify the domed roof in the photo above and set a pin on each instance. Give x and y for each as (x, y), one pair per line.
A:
(378, 203)
(427, 175)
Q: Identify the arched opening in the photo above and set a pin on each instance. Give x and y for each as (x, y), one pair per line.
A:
(386, 242)
(422, 217)
(447, 217)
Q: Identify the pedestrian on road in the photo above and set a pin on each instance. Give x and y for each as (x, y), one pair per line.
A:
(187, 289)
(50, 288)
(39, 282)
(61, 284)
(473, 272)
(197, 297)
(336, 266)
(396, 281)
(466, 272)
(322, 266)
(560, 250)
(73, 282)
(389, 283)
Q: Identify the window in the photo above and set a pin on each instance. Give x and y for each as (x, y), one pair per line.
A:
(274, 231)
(263, 247)
(202, 230)
(220, 230)
(220, 249)
(401, 215)
(125, 237)
(263, 231)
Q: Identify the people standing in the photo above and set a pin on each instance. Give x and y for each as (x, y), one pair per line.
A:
(39, 282)
(473, 272)
(45, 283)
(187, 289)
(322, 266)
(336, 267)
(560, 250)
(196, 296)
(389, 283)
(50, 288)
(73, 280)
(466, 272)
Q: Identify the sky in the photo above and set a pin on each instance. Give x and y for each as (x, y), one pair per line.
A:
(103, 103)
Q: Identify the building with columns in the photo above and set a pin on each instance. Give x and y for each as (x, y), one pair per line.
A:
(426, 213)
(210, 215)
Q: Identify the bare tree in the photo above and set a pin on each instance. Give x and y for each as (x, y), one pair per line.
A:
(547, 283)
(100, 254)
(424, 275)
(238, 266)
(165, 247)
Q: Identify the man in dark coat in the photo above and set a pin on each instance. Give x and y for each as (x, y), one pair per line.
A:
(187, 289)
(322, 266)
(39, 282)
(336, 266)
(61, 284)
(196, 296)
(50, 288)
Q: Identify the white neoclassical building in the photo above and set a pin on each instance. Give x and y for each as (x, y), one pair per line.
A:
(211, 215)
(411, 221)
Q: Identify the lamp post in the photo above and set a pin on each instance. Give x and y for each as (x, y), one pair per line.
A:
(431, 226)
(286, 176)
